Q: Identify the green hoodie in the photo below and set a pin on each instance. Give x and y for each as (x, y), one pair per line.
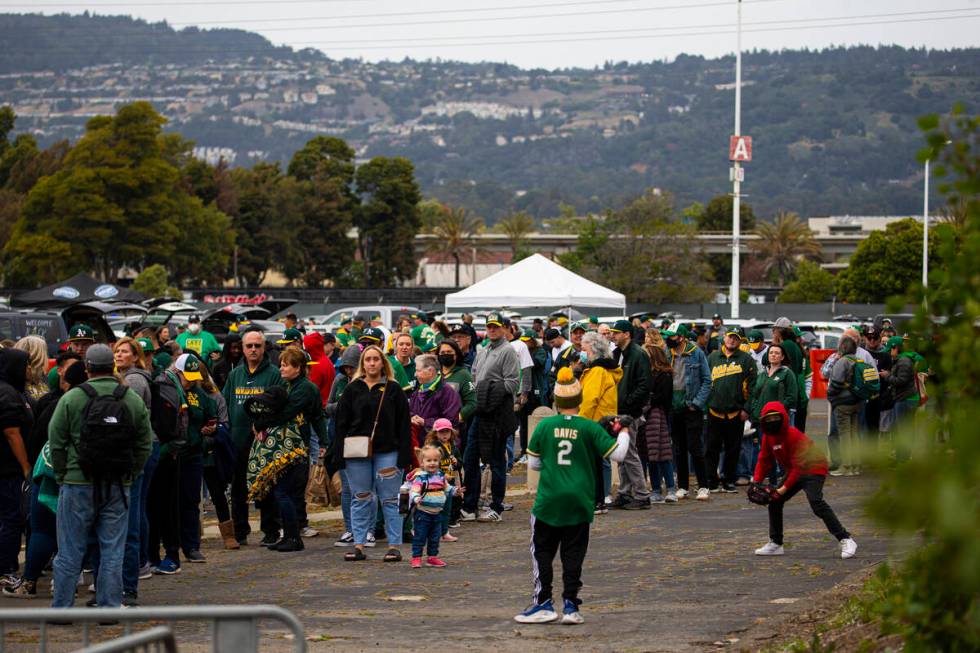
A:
(305, 406)
(241, 385)
(65, 430)
(461, 379)
(732, 381)
(200, 409)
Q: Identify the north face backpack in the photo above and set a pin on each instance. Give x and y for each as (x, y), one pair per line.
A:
(865, 381)
(107, 442)
(167, 419)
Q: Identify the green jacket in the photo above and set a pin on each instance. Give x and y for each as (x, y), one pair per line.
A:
(732, 381)
(241, 385)
(781, 387)
(66, 427)
(304, 405)
(461, 379)
(424, 337)
(200, 409)
(401, 376)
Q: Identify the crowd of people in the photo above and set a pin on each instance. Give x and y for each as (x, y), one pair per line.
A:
(109, 453)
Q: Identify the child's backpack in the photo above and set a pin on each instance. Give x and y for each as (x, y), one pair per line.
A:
(865, 382)
(167, 419)
(107, 442)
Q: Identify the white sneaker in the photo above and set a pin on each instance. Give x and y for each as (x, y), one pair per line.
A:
(489, 515)
(91, 588)
(309, 531)
(369, 540)
(671, 497)
(467, 516)
(681, 493)
(837, 472)
(703, 494)
(848, 548)
(770, 549)
(538, 614)
(347, 539)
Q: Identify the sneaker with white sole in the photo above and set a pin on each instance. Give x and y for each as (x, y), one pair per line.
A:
(671, 497)
(848, 548)
(467, 516)
(703, 494)
(770, 549)
(538, 614)
(347, 539)
(309, 531)
(570, 615)
(837, 472)
(681, 493)
(489, 515)
(146, 571)
(370, 540)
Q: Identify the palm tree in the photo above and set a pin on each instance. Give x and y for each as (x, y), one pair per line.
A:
(454, 230)
(516, 227)
(783, 244)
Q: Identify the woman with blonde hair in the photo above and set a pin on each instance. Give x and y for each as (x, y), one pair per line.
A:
(373, 442)
(655, 338)
(37, 365)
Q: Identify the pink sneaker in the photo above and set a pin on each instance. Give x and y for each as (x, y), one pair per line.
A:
(435, 562)
(449, 537)
(416, 563)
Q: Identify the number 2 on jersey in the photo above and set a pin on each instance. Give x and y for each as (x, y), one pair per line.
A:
(564, 448)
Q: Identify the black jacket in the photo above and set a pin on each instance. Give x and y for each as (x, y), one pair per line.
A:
(15, 409)
(662, 390)
(495, 410)
(634, 387)
(356, 411)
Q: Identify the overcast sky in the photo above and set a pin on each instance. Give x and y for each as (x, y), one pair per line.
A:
(556, 33)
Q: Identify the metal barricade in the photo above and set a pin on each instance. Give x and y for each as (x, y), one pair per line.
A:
(154, 640)
(233, 627)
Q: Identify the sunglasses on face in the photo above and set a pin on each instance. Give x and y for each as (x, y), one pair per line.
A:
(258, 346)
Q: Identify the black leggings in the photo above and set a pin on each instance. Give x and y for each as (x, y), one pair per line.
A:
(217, 491)
(685, 433)
(812, 486)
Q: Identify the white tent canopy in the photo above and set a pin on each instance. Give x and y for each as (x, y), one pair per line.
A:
(535, 282)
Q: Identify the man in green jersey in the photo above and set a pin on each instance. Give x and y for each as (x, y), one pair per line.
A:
(564, 449)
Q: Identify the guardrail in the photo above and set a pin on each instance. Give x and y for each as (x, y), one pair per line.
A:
(233, 627)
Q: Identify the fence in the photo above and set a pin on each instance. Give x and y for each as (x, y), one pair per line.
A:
(233, 628)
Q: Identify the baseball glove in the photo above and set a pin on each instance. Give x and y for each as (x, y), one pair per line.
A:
(762, 494)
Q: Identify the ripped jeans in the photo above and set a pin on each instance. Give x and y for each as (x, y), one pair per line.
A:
(378, 475)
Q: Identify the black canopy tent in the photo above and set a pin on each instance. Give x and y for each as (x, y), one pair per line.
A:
(76, 290)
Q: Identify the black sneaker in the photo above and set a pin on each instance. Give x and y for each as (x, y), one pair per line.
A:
(194, 556)
(23, 589)
(637, 504)
(620, 501)
(728, 488)
(270, 539)
(130, 600)
(92, 603)
(288, 545)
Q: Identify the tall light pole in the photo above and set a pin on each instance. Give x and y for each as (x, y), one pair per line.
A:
(925, 229)
(736, 172)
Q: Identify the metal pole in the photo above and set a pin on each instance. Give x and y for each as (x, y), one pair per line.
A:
(925, 230)
(736, 222)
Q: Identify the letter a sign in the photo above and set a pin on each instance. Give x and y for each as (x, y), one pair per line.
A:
(740, 148)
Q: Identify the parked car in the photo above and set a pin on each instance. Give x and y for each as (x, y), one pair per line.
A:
(389, 314)
(53, 325)
(217, 321)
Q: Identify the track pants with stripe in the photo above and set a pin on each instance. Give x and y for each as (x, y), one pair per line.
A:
(546, 541)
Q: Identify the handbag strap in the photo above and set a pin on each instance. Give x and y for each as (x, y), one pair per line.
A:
(377, 415)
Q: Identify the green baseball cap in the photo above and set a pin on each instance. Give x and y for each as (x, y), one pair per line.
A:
(682, 330)
(528, 334)
(345, 319)
(147, 345)
(622, 326)
(593, 319)
(80, 331)
(190, 366)
(290, 335)
(373, 334)
(578, 326)
(755, 336)
(667, 333)
(734, 330)
(495, 319)
(895, 341)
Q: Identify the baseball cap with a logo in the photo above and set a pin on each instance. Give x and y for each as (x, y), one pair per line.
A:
(190, 366)
(495, 319)
(372, 335)
(81, 331)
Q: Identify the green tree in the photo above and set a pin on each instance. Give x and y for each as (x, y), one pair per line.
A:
(812, 285)
(783, 244)
(387, 219)
(887, 263)
(454, 229)
(258, 236)
(153, 281)
(516, 227)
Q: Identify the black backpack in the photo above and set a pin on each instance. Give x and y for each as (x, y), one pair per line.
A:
(107, 443)
(165, 413)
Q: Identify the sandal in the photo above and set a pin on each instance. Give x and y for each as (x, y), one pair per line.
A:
(393, 555)
(355, 555)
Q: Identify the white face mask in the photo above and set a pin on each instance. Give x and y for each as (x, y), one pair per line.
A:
(194, 328)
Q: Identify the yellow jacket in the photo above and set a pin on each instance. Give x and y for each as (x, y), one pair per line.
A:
(599, 390)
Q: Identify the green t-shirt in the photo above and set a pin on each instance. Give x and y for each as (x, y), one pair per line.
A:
(424, 338)
(567, 446)
(203, 343)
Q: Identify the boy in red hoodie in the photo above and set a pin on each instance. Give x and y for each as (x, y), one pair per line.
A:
(806, 469)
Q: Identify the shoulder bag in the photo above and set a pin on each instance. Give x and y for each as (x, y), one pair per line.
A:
(360, 446)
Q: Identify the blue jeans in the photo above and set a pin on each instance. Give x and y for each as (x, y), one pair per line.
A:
(662, 470)
(190, 479)
(11, 522)
(43, 543)
(131, 561)
(428, 530)
(748, 457)
(345, 499)
(367, 485)
(144, 490)
(78, 515)
(471, 472)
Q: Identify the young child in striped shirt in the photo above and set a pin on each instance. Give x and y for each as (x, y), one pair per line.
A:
(429, 493)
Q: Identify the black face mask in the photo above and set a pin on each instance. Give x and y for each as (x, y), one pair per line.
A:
(672, 343)
(447, 360)
(772, 426)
